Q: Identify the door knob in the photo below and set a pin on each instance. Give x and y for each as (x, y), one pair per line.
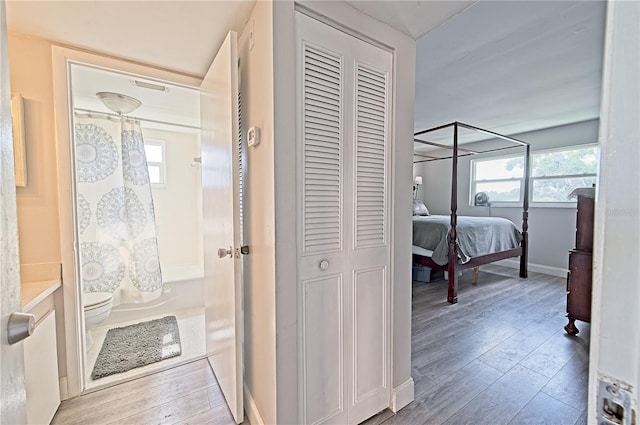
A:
(20, 326)
(225, 252)
(324, 265)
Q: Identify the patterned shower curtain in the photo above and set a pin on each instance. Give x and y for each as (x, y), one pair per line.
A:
(117, 232)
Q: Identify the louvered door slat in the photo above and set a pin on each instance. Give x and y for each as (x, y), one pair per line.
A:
(369, 129)
(320, 112)
(322, 150)
(372, 102)
(371, 142)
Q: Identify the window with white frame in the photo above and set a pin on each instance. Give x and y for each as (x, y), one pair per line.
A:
(500, 178)
(155, 153)
(554, 175)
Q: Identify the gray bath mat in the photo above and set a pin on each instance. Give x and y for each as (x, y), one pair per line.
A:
(137, 345)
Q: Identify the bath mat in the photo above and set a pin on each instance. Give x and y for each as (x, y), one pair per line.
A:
(137, 345)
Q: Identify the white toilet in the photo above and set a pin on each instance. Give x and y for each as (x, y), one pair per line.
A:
(97, 307)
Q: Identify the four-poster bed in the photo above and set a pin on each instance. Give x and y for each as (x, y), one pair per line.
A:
(454, 263)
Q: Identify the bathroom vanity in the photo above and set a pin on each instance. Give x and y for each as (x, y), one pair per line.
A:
(39, 283)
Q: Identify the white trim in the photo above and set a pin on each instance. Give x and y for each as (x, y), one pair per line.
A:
(615, 343)
(536, 268)
(250, 406)
(64, 388)
(401, 395)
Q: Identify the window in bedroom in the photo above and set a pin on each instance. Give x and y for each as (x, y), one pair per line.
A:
(155, 153)
(554, 175)
(499, 178)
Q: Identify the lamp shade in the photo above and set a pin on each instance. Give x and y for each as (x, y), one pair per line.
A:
(418, 180)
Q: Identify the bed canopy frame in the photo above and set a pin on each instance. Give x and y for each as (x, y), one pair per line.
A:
(453, 266)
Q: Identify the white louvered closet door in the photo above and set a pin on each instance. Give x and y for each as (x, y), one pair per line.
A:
(343, 214)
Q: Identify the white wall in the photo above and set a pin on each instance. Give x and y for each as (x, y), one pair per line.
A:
(256, 66)
(285, 145)
(178, 205)
(615, 340)
(551, 230)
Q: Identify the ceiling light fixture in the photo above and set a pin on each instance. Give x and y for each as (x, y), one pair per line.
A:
(150, 86)
(118, 103)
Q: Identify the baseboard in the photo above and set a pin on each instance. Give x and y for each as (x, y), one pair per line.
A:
(401, 395)
(64, 388)
(251, 408)
(532, 267)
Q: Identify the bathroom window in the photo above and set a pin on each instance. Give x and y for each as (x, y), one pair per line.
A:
(155, 152)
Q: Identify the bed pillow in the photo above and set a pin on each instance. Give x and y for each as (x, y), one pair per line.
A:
(419, 208)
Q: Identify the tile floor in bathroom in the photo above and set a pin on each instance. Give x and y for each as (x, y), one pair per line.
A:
(191, 327)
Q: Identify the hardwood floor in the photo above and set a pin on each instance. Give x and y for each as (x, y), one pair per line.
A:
(187, 394)
(499, 356)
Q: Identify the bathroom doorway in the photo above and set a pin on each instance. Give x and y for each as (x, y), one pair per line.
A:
(137, 195)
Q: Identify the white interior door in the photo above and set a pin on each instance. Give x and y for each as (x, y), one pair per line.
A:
(12, 387)
(221, 223)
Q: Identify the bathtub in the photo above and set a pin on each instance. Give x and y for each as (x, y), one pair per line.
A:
(183, 289)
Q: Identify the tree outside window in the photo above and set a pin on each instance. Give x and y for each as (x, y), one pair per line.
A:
(554, 175)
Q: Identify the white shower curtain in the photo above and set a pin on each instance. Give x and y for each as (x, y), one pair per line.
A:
(116, 223)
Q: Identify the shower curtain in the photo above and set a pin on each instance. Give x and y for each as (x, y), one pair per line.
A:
(116, 223)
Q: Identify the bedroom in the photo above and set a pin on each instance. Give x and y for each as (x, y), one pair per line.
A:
(530, 70)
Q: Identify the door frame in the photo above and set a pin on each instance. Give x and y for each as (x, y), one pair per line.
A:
(72, 384)
(609, 337)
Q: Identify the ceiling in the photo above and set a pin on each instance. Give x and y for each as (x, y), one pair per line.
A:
(508, 66)
(512, 66)
(177, 35)
(174, 105)
(414, 18)
(182, 36)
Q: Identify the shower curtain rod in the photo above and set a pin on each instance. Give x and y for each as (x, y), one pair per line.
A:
(89, 111)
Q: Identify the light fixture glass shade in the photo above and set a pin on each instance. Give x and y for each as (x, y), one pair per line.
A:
(418, 180)
(118, 103)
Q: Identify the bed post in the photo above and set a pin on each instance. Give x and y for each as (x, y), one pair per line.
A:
(525, 214)
(452, 295)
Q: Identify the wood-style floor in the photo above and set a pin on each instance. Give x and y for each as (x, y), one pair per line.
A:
(499, 356)
(187, 394)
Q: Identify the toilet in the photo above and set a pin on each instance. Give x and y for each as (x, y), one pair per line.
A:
(97, 307)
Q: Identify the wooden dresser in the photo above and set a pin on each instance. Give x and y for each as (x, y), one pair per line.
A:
(580, 264)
